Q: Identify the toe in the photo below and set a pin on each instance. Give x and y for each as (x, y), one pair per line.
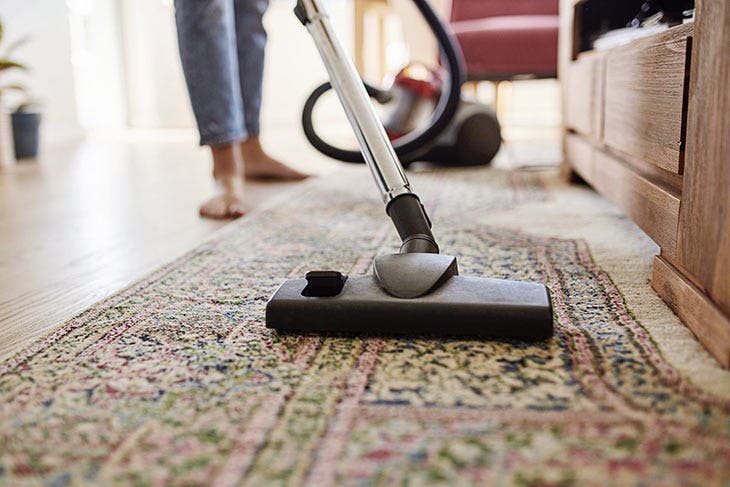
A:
(213, 208)
(236, 209)
(295, 175)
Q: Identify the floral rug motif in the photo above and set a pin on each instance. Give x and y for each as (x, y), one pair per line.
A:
(176, 380)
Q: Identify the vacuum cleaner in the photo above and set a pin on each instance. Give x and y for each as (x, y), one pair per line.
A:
(417, 291)
(462, 132)
(472, 138)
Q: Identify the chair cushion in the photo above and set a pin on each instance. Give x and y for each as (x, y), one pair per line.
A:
(479, 9)
(509, 45)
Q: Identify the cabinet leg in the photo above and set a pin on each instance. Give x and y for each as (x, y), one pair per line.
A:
(568, 174)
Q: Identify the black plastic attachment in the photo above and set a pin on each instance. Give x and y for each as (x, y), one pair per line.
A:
(410, 219)
(322, 284)
(301, 13)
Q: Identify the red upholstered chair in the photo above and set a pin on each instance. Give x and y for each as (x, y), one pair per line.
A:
(506, 39)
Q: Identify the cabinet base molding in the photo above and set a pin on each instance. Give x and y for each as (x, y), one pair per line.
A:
(694, 308)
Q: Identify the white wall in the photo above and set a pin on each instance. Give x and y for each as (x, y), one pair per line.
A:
(49, 55)
(156, 93)
(156, 90)
(293, 66)
(113, 64)
(97, 56)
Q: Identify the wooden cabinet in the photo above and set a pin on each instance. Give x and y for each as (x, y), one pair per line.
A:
(646, 124)
(645, 97)
(584, 87)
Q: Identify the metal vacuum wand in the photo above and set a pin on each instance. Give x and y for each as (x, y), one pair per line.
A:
(402, 204)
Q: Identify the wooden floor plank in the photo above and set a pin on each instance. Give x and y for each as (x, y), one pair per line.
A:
(92, 217)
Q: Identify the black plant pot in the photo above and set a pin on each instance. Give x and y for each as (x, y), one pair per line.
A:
(26, 134)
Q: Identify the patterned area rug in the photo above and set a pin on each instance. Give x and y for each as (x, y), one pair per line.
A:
(175, 380)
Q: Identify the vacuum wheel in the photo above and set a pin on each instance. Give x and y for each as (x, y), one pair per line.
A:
(478, 139)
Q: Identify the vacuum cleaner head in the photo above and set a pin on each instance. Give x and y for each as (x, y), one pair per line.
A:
(417, 291)
(452, 306)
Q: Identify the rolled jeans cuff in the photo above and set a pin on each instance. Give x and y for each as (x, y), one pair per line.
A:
(224, 138)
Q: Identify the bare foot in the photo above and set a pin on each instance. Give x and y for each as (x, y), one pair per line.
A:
(260, 166)
(227, 201)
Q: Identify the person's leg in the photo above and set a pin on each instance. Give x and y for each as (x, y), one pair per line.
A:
(251, 43)
(207, 40)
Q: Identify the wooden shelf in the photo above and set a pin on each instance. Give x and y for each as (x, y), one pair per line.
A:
(645, 124)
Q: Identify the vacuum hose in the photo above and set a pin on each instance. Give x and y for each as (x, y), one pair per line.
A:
(411, 146)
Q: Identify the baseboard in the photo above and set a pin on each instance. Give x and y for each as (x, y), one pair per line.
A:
(694, 308)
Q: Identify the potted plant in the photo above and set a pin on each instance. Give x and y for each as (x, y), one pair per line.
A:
(7, 64)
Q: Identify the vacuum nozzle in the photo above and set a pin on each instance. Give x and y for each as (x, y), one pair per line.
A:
(461, 306)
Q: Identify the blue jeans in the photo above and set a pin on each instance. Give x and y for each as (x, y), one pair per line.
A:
(222, 46)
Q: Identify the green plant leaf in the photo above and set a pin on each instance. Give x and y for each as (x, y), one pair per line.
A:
(23, 107)
(4, 64)
(1, 30)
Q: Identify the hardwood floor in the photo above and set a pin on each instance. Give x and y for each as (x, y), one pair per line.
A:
(91, 217)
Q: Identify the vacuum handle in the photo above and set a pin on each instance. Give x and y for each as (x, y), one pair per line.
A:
(403, 205)
(374, 143)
